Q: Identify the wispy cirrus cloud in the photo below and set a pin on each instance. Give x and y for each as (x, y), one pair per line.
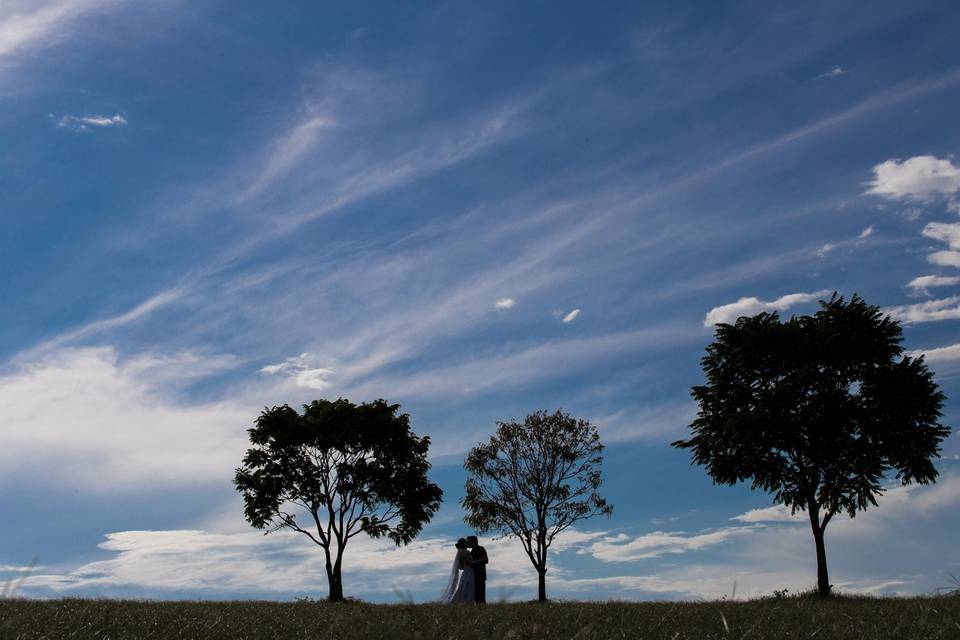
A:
(322, 193)
(884, 99)
(729, 313)
(657, 421)
(139, 312)
(287, 152)
(456, 302)
(519, 368)
(857, 241)
(26, 24)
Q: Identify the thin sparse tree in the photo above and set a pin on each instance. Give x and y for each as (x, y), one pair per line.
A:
(336, 471)
(818, 410)
(534, 479)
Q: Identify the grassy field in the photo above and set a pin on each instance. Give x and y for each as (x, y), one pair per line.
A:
(795, 617)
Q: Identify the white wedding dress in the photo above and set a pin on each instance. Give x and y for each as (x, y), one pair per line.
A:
(460, 586)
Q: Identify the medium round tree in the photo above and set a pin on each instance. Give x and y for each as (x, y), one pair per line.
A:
(817, 410)
(335, 471)
(533, 479)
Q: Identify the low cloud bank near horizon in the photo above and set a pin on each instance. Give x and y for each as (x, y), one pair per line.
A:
(767, 550)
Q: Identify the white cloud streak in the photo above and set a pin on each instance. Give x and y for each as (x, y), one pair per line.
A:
(949, 353)
(833, 73)
(946, 232)
(729, 313)
(921, 178)
(922, 283)
(945, 258)
(573, 315)
(624, 548)
(301, 370)
(505, 303)
(776, 513)
(85, 123)
(930, 311)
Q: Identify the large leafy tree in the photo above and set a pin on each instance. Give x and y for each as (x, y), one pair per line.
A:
(335, 471)
(533, 479)
(818, 410)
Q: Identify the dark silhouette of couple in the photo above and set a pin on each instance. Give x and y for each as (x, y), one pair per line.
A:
(468, 577)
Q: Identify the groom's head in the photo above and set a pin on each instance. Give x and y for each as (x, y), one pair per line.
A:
(472, 541)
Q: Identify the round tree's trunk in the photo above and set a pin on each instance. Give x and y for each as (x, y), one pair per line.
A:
(335, 583)
(542, 585)
(823, 578)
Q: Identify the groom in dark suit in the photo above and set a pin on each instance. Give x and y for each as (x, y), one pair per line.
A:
(479, 565)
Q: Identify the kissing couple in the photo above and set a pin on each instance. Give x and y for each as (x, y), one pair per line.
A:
(468, 577)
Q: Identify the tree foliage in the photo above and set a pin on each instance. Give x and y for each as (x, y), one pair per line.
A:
(534, 479)
(335, 471)
(817, 410)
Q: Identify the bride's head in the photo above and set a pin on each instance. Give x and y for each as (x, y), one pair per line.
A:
(461, 543)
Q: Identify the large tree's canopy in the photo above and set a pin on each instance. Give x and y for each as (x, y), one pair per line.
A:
(353, 468)
(817, 407)
(535, 477)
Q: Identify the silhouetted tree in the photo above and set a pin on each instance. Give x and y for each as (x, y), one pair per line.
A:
(349, 469)
(817, 410)
(534, 479)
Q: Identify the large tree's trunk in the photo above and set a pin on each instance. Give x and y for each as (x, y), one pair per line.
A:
(336, 587)
(823, 578)
(542, 584)
(334, 581)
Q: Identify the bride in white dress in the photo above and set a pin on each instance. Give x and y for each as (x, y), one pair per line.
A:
(460, 586)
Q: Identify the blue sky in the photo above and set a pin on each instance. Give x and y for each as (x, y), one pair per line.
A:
(476, 210)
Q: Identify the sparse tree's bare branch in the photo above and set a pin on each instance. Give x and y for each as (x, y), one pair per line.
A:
(535, 479)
